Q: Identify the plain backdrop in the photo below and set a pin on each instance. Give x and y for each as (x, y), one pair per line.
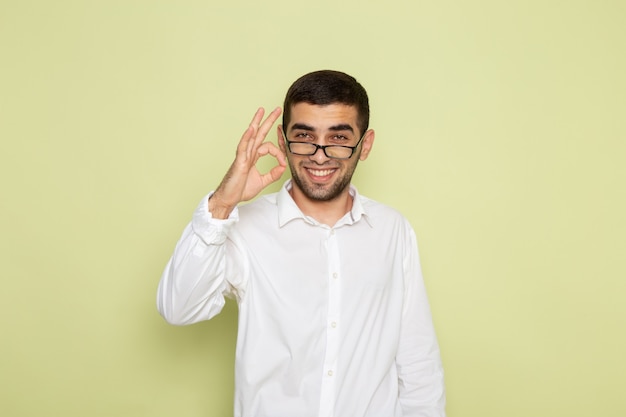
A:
(501, 129)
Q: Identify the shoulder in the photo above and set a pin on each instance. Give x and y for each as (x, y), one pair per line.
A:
(382, 214)
(390, 225)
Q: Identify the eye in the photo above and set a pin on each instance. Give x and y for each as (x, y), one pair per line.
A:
(303, 136)
(340, 138)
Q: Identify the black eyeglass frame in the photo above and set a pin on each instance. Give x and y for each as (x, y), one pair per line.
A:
(322, 147)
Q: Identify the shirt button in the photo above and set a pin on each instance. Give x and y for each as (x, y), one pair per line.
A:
(330, 373)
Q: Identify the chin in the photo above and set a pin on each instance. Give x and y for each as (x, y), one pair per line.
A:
(321, 193)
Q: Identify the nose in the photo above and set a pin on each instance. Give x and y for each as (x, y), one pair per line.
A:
(319, 156)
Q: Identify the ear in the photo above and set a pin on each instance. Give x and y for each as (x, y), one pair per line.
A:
(368, 142)
(281, 139)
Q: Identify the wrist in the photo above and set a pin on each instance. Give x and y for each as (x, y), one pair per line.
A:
(218, 209)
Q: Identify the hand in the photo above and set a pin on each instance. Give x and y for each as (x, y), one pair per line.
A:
(243, 181)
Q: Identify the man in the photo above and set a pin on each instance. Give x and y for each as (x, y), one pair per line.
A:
(333, 314)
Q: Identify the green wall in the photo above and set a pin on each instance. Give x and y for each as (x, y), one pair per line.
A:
(501, 130)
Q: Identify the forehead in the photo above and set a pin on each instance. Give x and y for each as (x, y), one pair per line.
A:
(323, 117)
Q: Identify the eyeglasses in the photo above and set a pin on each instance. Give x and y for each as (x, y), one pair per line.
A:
(331, 151)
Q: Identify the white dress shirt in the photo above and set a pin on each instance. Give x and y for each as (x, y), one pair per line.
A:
(333, 321)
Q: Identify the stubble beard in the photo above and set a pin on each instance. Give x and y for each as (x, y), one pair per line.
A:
(318, 192)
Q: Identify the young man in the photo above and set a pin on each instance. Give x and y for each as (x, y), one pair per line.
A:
(333, 314)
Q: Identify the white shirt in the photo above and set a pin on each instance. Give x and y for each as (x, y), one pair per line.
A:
(333, 321)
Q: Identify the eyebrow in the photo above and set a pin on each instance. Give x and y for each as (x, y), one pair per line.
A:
(341, 127)
(335, 128)
(302, 126)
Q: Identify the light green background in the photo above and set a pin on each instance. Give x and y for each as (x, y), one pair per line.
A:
(501, 129)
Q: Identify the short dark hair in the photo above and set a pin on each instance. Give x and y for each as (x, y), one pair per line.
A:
(328, 87)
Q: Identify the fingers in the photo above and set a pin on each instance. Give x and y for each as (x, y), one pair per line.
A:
(245, 141)
(258, 116)
(267, 124)
(257, 131)
(277, 171)
(271, 149)
(274, 174)
(253, 129)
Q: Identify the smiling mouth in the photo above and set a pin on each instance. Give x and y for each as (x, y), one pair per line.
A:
(320, 172)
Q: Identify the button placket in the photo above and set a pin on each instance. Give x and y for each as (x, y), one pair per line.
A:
(332, 330)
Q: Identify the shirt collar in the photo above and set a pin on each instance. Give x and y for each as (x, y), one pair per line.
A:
(288, 210)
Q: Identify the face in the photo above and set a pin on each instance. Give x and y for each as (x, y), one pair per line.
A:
(318, 177)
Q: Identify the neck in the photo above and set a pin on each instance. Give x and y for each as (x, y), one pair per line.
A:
(326, 212)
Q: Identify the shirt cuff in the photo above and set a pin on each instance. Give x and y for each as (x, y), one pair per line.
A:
(212, 231)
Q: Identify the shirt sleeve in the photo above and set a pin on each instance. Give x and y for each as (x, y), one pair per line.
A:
(195, 279)
(420, 371)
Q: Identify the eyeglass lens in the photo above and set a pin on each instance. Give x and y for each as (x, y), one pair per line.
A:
(330, 151)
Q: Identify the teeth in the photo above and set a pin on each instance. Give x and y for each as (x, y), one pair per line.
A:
(320, 172)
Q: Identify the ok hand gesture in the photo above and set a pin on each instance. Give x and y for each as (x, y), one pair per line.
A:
(243, 181)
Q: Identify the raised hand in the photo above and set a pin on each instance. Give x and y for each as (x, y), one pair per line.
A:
(243, 181)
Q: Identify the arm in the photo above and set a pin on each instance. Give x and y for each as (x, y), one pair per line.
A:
(420, 372)
(195, 280)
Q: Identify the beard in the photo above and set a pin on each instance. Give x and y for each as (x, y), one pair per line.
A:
(326, 192)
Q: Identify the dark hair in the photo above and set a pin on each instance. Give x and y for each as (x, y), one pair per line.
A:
(328, 87)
